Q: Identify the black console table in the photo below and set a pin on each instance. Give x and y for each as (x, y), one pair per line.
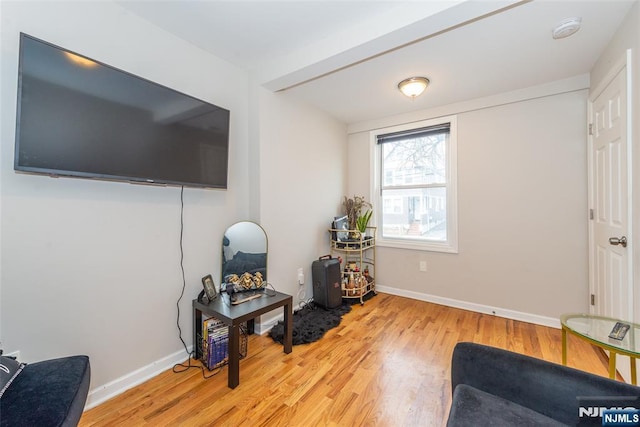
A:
(234, 315)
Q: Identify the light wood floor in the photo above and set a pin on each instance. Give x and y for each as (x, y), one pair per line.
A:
(386, 364)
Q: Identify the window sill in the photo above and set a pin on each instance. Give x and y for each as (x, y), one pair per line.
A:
(445, 247)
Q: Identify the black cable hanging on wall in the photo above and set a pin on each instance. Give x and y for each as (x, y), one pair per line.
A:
(182, 367)
(184, 280)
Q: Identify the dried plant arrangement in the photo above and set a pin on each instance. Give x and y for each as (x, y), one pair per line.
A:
(353, 209)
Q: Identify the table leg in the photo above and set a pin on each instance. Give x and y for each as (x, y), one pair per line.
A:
(234, 356)
(288, 329)
(197, 329)
(612, 364)
(564, 346)
(634, 378)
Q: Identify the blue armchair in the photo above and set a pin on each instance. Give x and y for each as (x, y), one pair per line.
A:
(496, 387)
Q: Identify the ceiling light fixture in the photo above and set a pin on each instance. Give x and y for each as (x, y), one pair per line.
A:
(566, 28)
(413, 86)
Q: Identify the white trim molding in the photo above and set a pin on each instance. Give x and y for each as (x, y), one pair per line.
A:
(471, 306)
(101, 394)
(264, 325)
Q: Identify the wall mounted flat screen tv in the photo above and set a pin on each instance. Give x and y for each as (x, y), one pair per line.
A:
(80, 118)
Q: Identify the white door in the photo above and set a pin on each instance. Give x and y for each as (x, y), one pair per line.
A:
(610, 239)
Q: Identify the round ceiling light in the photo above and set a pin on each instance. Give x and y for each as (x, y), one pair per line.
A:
(566, 28)
(413, 86)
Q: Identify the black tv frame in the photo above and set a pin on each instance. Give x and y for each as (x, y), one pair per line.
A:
(20, 166)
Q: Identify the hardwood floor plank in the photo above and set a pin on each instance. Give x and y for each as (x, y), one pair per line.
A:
(386, 364)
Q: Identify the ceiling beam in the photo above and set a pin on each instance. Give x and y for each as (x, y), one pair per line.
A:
(360, 43)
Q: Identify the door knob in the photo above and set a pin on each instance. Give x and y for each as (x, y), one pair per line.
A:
(618, 241)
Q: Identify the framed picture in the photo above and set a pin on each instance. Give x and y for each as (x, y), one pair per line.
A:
(339, 223)
(209, 287)
(619, 331)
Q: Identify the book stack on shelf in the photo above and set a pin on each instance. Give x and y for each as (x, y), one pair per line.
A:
(215, 343)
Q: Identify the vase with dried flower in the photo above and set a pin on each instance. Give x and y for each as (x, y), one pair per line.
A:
(353, 209)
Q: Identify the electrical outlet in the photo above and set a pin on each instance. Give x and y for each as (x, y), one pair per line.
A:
(300, 276)
(423, 265)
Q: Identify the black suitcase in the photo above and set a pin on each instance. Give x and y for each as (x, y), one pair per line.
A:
(327, 289)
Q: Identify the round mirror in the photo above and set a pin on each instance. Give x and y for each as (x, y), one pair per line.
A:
(244, 250)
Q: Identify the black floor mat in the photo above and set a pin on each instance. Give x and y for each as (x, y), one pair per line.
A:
(311, 323)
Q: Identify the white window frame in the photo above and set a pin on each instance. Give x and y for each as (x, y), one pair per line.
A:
(451, 244)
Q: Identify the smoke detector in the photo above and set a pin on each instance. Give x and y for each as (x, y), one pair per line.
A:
(566, 28)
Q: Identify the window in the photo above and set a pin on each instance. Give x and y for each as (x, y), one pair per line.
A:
(391, 205)
(415, 185)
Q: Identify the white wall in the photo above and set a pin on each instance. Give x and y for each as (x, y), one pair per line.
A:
(91, 267)
(522, 197)
(302, 178)
(628, 37)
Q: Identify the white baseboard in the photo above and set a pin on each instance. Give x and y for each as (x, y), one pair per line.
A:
(471, 306)
(105, 392)
(264, 325)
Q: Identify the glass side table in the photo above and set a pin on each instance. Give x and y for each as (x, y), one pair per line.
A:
(596, 330)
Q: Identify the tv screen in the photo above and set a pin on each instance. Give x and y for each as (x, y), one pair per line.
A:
(78, 117)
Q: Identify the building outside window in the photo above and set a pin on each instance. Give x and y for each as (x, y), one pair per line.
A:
(415, 184)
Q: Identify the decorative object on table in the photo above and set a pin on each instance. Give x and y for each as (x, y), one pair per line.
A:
(258, 281)
(246, 281)
(366, 274)
(353, 208)
(619, 331)
(340, 223)
(209, 288)
(362, 222)
(233, 279)
(351, 284)
(362, 284)
(311, 323)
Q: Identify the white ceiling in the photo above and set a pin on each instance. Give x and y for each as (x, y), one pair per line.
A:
(346, 57)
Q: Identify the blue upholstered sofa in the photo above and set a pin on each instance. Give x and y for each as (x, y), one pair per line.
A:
(496, 387)
(45, 394)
